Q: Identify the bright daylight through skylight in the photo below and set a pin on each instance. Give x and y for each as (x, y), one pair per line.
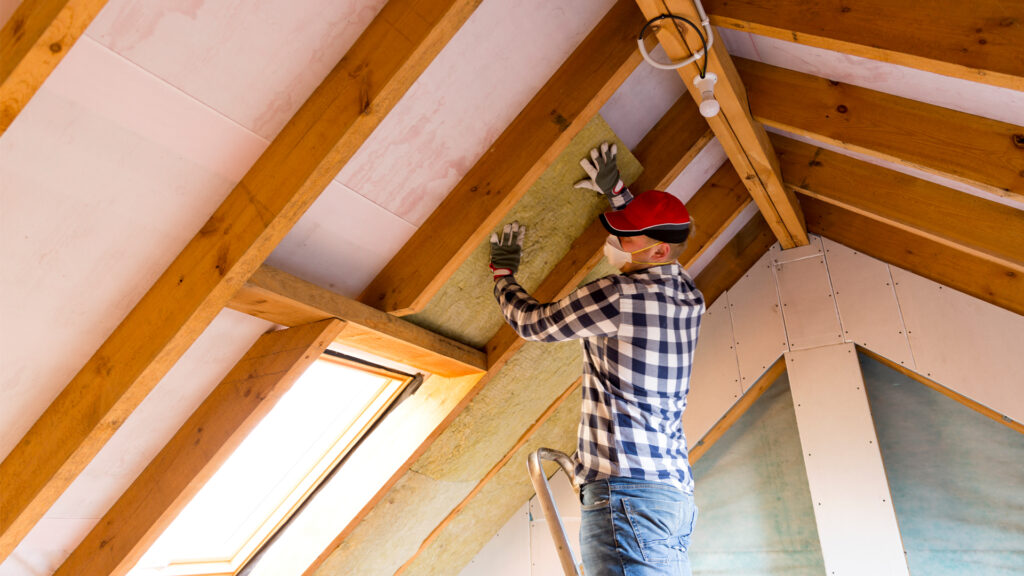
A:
(275, 468)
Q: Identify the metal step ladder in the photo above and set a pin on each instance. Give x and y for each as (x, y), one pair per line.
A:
(570, 565)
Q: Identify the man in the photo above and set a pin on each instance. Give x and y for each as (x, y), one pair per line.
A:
(639, 330)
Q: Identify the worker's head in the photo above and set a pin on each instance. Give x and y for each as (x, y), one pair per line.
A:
(650, 231)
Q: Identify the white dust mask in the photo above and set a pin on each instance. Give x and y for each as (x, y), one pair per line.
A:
(618, 257)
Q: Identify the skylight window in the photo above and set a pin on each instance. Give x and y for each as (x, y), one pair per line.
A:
(275, 468)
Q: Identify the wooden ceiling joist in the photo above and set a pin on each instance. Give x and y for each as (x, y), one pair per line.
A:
(664, 152)
(979, 227)
(983, 153)
(937, 261)
(979, 40)
(279, 297)
(744, 140)
(32, 42)
(197, 450)
(471, 211)
(237, 238)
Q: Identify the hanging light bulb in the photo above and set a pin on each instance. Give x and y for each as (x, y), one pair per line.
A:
(706, 85)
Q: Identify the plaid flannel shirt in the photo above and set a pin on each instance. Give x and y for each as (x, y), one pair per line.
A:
(639, 332)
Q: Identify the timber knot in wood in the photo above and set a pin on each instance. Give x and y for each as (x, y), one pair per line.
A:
(1018, 141)
(17, 28)
(56, 47)
(845, 9)
(1007, 22)
(833, 83)
(560, 121)
(982, 41)
(842, 109)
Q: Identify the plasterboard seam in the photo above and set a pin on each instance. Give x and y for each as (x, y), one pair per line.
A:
(778, 304)
(735, 349)
(899, 311)
(835, 297)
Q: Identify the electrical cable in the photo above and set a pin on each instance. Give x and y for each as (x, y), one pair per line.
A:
(674, 65)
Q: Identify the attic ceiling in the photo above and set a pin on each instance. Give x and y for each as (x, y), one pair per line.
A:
(179, 178)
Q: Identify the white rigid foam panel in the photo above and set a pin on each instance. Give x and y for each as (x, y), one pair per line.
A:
(808, 306)
(852, 503)
(544, 558)
(867, 303)
(508, 553)
(715, 380)
(963, 343)
(760, 337)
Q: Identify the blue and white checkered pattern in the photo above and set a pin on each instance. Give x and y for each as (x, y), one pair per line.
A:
(639, 333)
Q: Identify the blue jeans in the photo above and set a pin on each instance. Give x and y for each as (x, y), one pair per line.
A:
(635, 528)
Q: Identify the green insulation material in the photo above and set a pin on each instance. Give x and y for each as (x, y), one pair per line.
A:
(755, 516)
(554, 214)
(500, 498)
(956, 477)
(502, 411)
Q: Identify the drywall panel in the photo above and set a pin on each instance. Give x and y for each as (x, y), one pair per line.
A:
(642, 100)
(341, 242)
(53, 541)
(867, 303)
(964, 343)
(808, 307)
(812, 250)
(98, 196)
(504, 53)
(852, 504)
(255, 61)
(507, 554)
(698, 171)
(543, 557)
(140, 438)
(715, 380)
(760, 337)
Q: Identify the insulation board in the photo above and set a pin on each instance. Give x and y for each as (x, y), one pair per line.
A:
(760, 337)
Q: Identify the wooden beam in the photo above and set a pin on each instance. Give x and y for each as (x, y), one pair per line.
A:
(738, 409)
(979, 227)
(981, 409)
(735, 258)
(744, 140)
(32, 42)
(198, 449)
(980, 152)
(978, 40)
(664, 152)
(271, 197)
(979, 277)
(279, 297)
(492, 473)
(537, 136)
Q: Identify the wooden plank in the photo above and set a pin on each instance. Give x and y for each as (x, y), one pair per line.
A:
(986, 229)
(664, 152)
(492, 473)
(979, 277)
(735, 258)
(744, 140)
(198, 449)
(718, 202)
(470, 212)
(980, 408)
(279, 297)
(271, 197)
(737, 410)
(852, 503)
(978, 40)
(976, 151)
(32, 42)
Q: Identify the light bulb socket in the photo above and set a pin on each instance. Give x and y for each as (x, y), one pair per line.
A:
(708, 105)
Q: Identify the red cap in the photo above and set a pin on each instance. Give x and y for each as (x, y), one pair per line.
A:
(653, 213)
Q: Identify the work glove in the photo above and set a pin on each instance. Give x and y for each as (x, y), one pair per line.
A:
(506, 251)
(603, 175)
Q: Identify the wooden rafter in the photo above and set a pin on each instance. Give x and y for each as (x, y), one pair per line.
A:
(570, 99)
(980, 152)
(197, 450)
(982, 228)
(670, 145)
(968, 273)
(32, 42)
(744, 140)
(978, 40)
(244, 229)
(279, 297)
